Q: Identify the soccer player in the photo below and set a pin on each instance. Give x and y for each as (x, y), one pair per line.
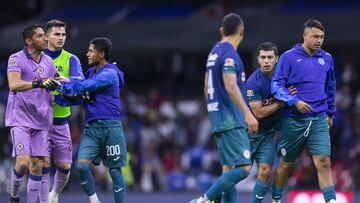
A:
(308, 114)
(103, 136)
(29, 111)
(67, 65)
(268, 111)
(228, 112)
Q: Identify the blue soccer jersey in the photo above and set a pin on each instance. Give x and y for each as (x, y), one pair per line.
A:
(223, 113)
(258, 88)
(312, 76)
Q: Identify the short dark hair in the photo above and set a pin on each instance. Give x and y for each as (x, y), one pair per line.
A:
(29, 31)
(267, 46)
(103, 44)
(312, 23)
(54, 23)
(231, 23)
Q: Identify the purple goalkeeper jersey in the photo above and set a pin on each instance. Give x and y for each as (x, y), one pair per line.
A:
(31, 108)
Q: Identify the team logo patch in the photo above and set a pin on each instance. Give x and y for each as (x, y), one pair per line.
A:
(246, 154)
(250, 93)
(12, 62)
(321, 61)
(229, 62)
(283, 151)
(39, 70)
(19, 146)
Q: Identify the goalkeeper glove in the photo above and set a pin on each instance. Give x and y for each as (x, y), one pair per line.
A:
(46, 83)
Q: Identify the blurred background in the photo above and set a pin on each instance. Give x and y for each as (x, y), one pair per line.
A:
(162, 47)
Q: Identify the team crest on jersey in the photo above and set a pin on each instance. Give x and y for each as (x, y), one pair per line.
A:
(246, 154)
(12, 62)
(39, 70)
(229, 62)
(283, 151)
(19, 146)
(321, 61)
(250, 93)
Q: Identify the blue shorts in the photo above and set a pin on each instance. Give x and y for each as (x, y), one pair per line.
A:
(104, 140)
(298, 133)
(263, 147)
(234, 147)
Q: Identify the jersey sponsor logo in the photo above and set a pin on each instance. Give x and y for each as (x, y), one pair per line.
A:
(246, 154)
(19, 146)
(299, 60)
(213, 106)
(250, 93)
(243, 77)
(283, 151)
(321, 61)
(229, 62)
(59, 68)
(12, 62)
(211, 60)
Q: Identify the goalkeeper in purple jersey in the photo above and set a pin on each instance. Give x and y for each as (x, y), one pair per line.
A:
(29, 110)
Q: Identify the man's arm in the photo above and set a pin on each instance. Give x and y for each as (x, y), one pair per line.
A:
(206, 85)
(75, 71)
(234, 93)
(279, 90)
(330, 88)
(16, 84)
(63, 100)
(261, 111)
(104, 79)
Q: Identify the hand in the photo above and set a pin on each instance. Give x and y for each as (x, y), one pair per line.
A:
(303, 107)
(292, 90)
(253, 125)
(330, 121)
(46, 83)
(61, 78)
(85, 96)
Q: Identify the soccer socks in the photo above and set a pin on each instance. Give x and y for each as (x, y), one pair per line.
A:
(277, 192)
(45, 185)
(86, 179)
(226, 182)
(60, 179)
(329, 193)
(118, 184)
(16, 179)
(230, 196)
(259, 191)
(33, 188)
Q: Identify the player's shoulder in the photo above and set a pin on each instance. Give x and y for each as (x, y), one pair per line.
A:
(289, 52)
(47, 58)
(254, 77)
(327, 54)
(112, 69)
(17, 55)
(90, 70)
(73, 57)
